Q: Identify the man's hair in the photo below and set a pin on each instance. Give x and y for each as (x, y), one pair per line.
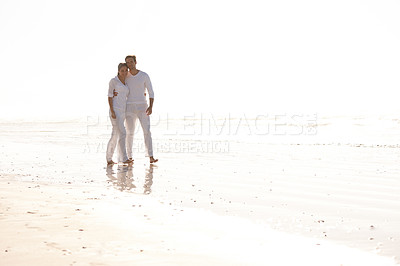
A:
(131, 56)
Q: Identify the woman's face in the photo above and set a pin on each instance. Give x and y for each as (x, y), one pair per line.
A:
(123, 72)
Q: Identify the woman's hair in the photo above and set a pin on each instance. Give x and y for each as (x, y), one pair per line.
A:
(121, 65)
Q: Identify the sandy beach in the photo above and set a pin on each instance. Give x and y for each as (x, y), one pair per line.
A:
(267, 200)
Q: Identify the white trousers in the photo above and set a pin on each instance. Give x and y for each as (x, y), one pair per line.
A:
(118, 135)
(138, 112)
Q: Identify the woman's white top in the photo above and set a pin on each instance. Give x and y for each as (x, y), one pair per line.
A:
(119, 101)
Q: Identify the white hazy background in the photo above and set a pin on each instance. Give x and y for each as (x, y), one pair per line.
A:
(325, 57)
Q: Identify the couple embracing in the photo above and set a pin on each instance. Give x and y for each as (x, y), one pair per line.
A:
(127, 101)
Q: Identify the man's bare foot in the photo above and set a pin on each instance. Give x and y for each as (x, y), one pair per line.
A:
(131, 159)
(152, 160)
(128, 161)
(110, 162)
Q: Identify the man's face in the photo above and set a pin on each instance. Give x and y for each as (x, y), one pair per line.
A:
(131, 63)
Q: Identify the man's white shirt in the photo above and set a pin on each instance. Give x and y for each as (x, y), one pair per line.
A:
(137, 85)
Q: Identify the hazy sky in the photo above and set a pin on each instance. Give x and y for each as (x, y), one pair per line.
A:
(57, 57)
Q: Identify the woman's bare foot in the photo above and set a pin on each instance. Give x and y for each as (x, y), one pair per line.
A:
(110, 162)
(152, 160)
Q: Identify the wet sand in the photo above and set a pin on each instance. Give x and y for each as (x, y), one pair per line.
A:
(68, 225)
(253, 204)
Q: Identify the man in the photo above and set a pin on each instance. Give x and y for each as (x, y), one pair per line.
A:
(137, 108)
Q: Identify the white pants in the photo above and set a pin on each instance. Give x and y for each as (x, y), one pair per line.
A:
(134, 112)
(118, 135)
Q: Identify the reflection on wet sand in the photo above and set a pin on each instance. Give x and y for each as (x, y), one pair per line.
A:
(148, 179)
(122, 179)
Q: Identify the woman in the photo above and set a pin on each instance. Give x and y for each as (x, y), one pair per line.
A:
(117, 115)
